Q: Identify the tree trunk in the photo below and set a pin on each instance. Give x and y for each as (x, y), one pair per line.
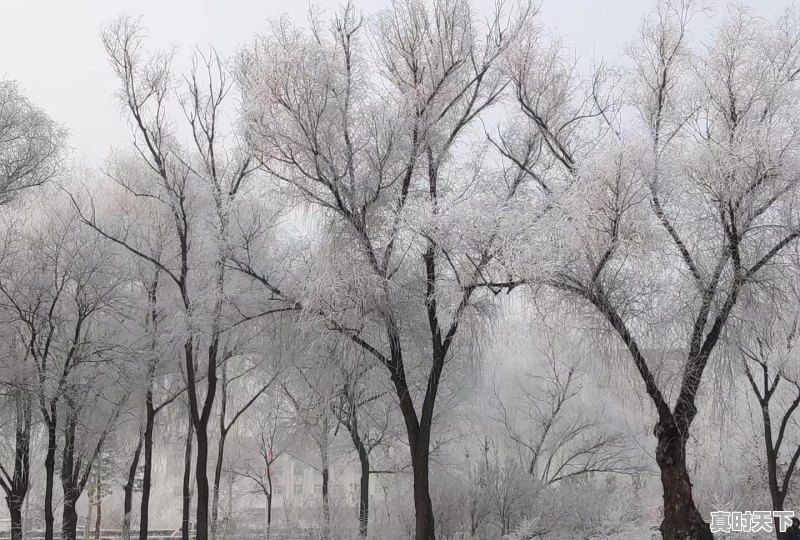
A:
(127, 505)
(419, 447)
(363, 503)
(26, 520)
(15, 509)
(69, 514)
(682, 520)
(18, 490)
(99, 504)
(217, 480)
(772, 463)
(418, 428)
(363, 459)
(323, 453)
(777, 506)
(230, 523)
(326, 505)
(186, 520)
(50, 472)
(147, 474)
(69, 518)
(201, 477)
(269, 514)
(423, 508)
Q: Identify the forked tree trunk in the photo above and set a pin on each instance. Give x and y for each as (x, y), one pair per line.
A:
(682, 520)
(418, 430)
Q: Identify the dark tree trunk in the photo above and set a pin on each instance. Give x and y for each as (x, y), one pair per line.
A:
(268, 494)
(777, 506)
(772, 447)
(69, 514)
(419, 447)
(682, 520)
(49, 478)
(69, 521)
(772, 467)
(147, 473)
(425, 524)
(326, 507)
(186, 520)
(127, 505)
(15, 509)
(418, 431)
(363, 501)
(363, 495)
(217, 480)
(223, 433)
(201, 477)
(269, 513)
(324, 458)
(149, 407)
(17, 490)
(200, 417)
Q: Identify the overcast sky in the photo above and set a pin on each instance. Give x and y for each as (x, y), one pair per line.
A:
(52, 47)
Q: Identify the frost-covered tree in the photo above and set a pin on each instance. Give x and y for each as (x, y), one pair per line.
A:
(58, 292)
(676, 183)
(190, 188)
(31, 144)
(364, 123)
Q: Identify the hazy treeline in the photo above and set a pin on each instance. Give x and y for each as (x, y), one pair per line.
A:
(528, 299)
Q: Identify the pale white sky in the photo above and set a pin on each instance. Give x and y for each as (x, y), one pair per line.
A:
(52, 47)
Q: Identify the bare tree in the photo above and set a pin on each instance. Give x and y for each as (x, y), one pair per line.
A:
(353, 405)
(19, 387)
(712, 177)
(84, 440)
(226, 424)
(267, 433)
(31, 144)
(178, 182)
(766, 354)
(130, 485)
(365, 130)
(311, 406)
(557, 439)
(55, 297)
